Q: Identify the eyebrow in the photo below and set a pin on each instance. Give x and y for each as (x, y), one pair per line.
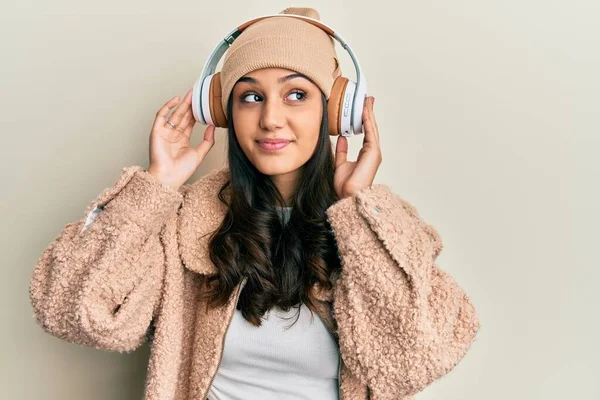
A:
(280, 80)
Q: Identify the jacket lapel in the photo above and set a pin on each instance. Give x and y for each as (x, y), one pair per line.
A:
(199, 216)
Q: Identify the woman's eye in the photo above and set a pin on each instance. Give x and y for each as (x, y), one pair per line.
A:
(252, 96)
(297, 92)
(294, 96)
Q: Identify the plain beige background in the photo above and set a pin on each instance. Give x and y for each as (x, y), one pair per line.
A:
(489, 122)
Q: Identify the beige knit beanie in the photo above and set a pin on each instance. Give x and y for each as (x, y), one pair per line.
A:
(285, 43)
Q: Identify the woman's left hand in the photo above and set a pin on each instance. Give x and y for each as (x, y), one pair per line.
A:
(352, 176)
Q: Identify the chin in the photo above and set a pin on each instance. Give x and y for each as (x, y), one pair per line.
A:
(275, 167)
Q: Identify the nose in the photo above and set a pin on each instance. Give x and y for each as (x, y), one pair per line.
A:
(273, 115)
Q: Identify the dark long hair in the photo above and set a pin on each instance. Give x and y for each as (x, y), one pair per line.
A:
(281, 260)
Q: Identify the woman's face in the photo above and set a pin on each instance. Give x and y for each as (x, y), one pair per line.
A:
(277, 118)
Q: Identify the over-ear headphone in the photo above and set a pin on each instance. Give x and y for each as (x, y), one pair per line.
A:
(344, 106)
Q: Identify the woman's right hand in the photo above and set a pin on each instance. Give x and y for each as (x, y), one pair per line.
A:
(172, 159)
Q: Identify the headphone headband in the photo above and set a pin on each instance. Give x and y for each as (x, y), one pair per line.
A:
(311, 21)
(214, 58)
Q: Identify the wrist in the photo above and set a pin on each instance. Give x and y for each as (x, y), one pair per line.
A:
(164, 178)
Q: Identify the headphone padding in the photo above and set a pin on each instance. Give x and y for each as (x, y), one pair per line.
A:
(334, 106)
(216, 109)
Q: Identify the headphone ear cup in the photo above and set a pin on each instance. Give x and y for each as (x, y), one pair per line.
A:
(216, 108)
(335, 104)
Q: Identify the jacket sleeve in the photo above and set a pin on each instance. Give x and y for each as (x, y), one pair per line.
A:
(100, 285)
(402, 321)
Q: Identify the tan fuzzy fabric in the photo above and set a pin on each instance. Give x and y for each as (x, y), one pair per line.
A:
(135, 274)
(283, 43)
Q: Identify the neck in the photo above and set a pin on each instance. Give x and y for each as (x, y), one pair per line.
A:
(286, 185)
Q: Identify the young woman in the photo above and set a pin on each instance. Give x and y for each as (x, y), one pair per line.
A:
(224, 275)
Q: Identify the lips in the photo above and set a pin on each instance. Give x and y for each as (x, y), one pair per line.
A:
(273, 144)
(274, 141)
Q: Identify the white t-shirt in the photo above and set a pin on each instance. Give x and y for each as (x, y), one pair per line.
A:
(272, 363)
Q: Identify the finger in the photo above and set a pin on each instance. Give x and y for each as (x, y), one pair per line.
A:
(370, 135)
(366, 120)
(161, 115)
(190, 127)
(185, 121)
(180, 111)
(209, 140)
(374, 119)
(360, 152)
(341, 151)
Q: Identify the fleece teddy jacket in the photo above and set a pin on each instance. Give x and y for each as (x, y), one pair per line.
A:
(135, 274)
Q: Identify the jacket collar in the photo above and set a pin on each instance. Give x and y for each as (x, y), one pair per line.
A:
(200, 215)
